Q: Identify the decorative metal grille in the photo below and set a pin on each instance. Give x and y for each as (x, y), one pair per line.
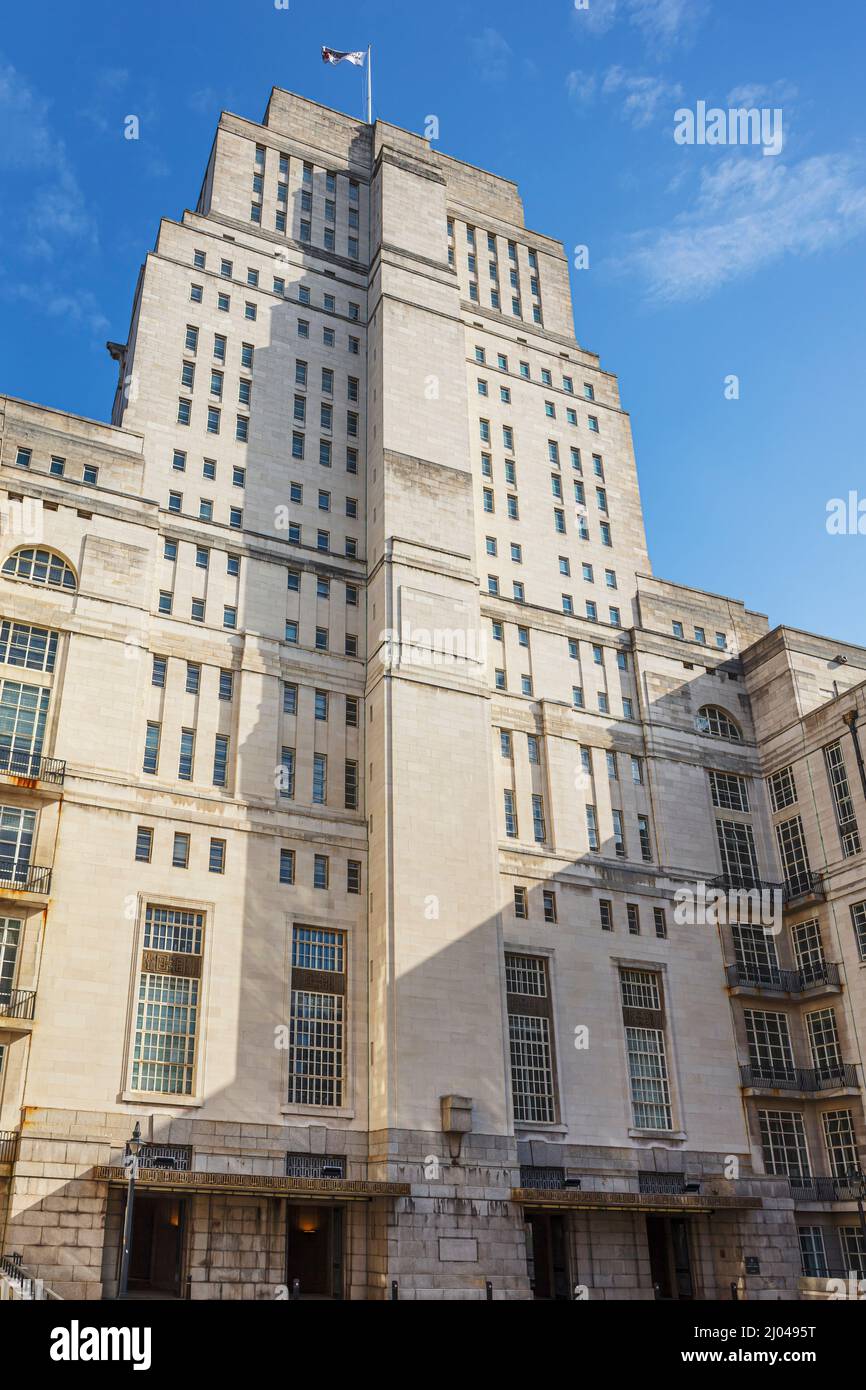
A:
(313, 1165)
(175, 1156)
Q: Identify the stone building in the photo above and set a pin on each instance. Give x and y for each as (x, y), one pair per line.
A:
(363, 792)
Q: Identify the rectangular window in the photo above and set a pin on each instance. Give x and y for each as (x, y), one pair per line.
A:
(530, 1039)
(643, 829)
(548, 898)
(321, 870)
(217, 857)
(510, 815)
(166, 1017)
(840, 1142)
(144, 844)
(729, 791)
(187, 749)
(737, 850)
(605, 914)
(353, 876)
(521, 903)
(320, 779)
(287, 866)
(795, 860)
(858, 920)
(351, 786)
(538, 819)
(151, 748)
(317, 1017)
(783, 1141)
(287, 773)
(783, 788)
(633, 914)
(842, 802)
(220, 760)
(661, 923)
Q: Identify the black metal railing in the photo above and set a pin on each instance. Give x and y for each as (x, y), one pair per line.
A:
(17, 1003)
(18, 762)
(805, 884)
(799, 1078)
(783, 981)
(669, 1184)
(8, 1145)
(826, 1189)
(23, 876)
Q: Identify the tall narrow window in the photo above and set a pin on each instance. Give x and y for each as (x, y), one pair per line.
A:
(220, 760)
(644, 1022)
(842, 802)
(320, 779)
(317, 1017)
(530, 1039)
(151, 749)
(187, 748)
(166, 1017)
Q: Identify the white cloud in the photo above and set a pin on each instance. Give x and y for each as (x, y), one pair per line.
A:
(79, 307)
(661, 23)
(492, 54)
(53, 209)
(748, 214)
(666, 22)
(761, 94)
(581, 87)
(641, 96)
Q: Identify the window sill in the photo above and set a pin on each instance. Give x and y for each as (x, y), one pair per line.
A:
(158, 1098)
(676, 1134)
(541, 1126)
(336, 1112)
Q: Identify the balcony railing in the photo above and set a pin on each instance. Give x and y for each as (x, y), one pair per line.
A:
(783, 981)
(804, 885)
(823, 1189)
(799, 1078)
(8, 1145)
(24, 876)
(17, 1003)
(18, 762)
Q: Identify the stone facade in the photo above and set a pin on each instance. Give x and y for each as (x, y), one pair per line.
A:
(355, 771)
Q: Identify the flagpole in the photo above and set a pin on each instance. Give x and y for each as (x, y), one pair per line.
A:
(370, 85)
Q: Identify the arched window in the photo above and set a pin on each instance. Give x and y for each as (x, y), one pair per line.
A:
(718, 723)
(40, 567)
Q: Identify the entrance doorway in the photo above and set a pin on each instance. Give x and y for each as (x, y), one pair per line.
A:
(156, 1256)
(547, 1256)
(670, 1257)
(314, 1250)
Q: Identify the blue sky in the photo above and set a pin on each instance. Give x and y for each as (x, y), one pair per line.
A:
(704, 262)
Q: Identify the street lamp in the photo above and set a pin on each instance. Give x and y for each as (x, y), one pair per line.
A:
(130, 1163)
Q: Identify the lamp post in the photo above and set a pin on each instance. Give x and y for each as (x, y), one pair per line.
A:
(130, 1163)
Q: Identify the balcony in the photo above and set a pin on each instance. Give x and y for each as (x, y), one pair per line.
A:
(31, 769)
(804, 888)
(20, 876)
(768, 980)
(802, 1080)
(17, 1010)
(822, 1189)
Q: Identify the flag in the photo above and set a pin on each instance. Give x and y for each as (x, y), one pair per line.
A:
(332, 56)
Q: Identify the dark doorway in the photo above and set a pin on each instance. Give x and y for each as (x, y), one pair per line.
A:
(314, 1250)
(547, 1256)
(670, 1257)
(157, 1245)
